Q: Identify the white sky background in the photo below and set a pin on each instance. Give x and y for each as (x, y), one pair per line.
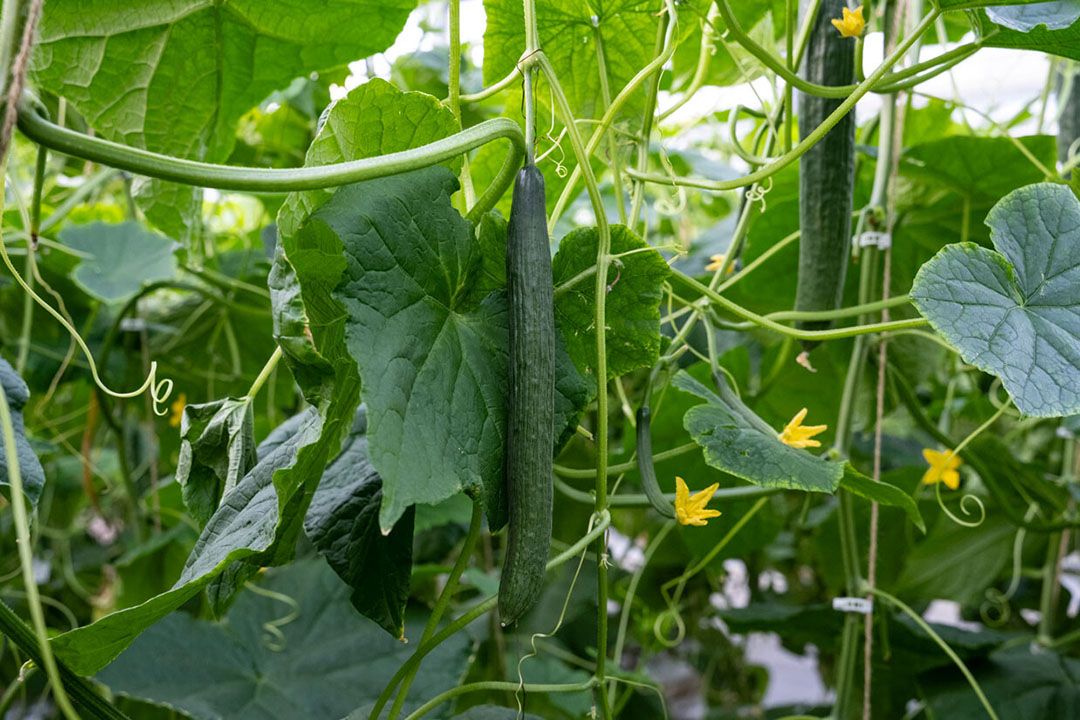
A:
(998, 82)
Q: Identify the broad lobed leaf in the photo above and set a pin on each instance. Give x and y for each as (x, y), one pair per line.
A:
(1016, 312)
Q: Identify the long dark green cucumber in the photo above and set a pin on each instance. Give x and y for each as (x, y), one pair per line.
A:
(645, 465)
(1069, 112)
(530, 436)
(826, 171)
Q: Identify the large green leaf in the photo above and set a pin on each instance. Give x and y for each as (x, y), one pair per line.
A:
(251, 518)
(569, 32)
(1054, 15)
(373, 119)
(432, 359)
(1016, 312)
(1050, 27)
(321, 661)
(217, 448)
(117, 260)
(1026, 682)
(738, 442)
(632, 309)
(343, 523)
(969, 4)
(175, 76)
(30, 471)
(956, 562)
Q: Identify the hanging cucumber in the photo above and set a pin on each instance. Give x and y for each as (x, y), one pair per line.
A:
(826, 171)
(645, 465)
(530, 418)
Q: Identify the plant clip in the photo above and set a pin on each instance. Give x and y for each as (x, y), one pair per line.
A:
(859, 605)
(872, 238)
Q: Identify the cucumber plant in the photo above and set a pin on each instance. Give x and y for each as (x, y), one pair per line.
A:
(442, 359)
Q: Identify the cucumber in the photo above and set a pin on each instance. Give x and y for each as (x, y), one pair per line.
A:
(826, 172)
(645, 465)
(530, 435)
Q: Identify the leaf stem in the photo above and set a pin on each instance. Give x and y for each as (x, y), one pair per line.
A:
(811, 139)
(765, 322)
(26, 558)
(498, 686)
(925, 627)
(484, 606)
(264, 374)
(443, 602)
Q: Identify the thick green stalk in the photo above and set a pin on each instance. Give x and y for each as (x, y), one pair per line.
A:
(26, 559)
(227, 177)
(83, 693)
(586, 152)
(886, 85)
(603, 260)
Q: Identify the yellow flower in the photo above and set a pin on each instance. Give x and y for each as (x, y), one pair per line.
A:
(690, 509)
(798, 435)
(177, 408)
(942, 468)
(716, 264)
(852, 24)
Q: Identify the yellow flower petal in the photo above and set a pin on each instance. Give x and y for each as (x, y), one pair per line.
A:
(177, 408)
(943, 468)
(797, 435)
(716, 264)
(690, 509)
(851, 24)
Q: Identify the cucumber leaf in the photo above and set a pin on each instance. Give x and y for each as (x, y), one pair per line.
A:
(431, 352)
(217, 448)
(373, 119)
(320, 661)
(343, 524)
(1015, 312)
(1049, 27)
(738, 442)
(1055, 15)
(882, 493)
(176, 77)
(30, 470)
(118, 260)
(569, 32)
(635, 283)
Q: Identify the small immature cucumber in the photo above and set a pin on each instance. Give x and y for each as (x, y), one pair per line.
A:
(530, 436)
(645, 465)
(826, 171)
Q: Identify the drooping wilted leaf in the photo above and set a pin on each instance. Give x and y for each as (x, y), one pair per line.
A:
(343, 524)
(217, 448)
(30, 471)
